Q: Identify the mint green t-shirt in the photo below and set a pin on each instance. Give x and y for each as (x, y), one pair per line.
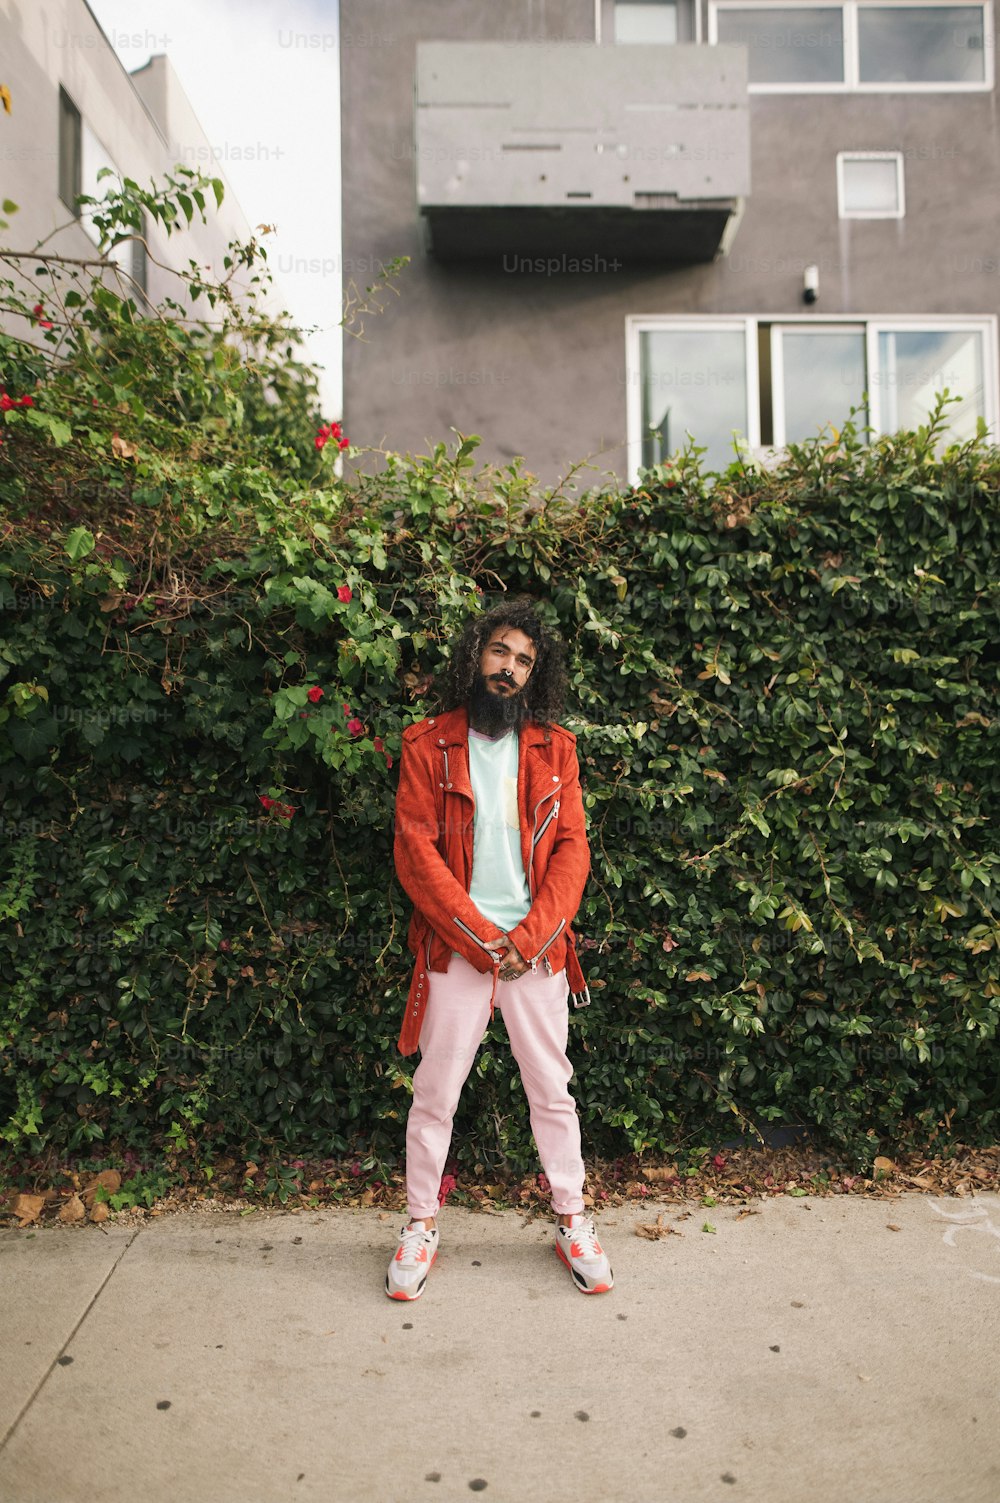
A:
(499, 884)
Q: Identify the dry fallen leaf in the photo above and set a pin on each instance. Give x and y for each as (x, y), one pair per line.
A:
(27, 1208)
(884, 1163)
(111, 1181)
(73, 1210)
(99, 1212)
(892, 1227)
(660, 1175)
(121, 447)
(653, 1233)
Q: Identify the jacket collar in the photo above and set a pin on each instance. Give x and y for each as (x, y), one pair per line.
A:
(453, 729)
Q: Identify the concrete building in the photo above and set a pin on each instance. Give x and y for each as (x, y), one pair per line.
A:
(74, 109)
(633, 220)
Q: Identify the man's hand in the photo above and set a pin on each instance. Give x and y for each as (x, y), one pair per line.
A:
(512, 962)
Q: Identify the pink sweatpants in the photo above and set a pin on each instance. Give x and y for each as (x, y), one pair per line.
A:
(535, 1009)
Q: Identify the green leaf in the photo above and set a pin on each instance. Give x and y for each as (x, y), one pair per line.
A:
(60, 432)
(79, 543)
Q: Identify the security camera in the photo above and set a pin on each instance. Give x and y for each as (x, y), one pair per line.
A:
(810, 284)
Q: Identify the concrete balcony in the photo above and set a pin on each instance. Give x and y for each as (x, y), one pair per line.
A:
(573, 150)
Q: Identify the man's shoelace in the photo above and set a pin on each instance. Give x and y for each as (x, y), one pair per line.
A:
(412, 1241)
(585, 1233)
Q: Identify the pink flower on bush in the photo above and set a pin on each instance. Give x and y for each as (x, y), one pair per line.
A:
(315, 694)
(344, 593)
(355, 726)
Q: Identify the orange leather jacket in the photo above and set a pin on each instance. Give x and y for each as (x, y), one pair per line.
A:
(433, 854)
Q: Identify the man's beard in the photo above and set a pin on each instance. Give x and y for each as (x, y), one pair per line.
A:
(494, 714)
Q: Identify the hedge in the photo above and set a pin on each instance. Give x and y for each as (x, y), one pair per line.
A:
(783, 683)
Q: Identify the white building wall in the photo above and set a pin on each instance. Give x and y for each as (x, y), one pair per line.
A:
(143, 121)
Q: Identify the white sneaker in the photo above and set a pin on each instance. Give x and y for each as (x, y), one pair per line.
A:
(579, 1249)
(412, 1261)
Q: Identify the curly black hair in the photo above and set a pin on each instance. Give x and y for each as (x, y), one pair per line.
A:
(545, 691)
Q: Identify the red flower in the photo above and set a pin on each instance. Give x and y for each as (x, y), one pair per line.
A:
(347, 710)
(39, 313)
(447, 1185)
(7, 403)
(283, 811)
(315, 694)
(344, 593)
(379, 745)
(328, 431)
(719, 1161)
(355, 727)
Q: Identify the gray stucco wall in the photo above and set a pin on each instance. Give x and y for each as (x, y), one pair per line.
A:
(535, 363)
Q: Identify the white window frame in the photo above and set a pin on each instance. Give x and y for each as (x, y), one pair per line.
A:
(852, 76)
(873, 324)
(886, 324)
(871, 156)
(637, 325)
(828, 326)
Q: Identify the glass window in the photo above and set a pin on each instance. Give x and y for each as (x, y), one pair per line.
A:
(69, 151)
(786, 382)
(916, 365)
(693, 381)
(788, 44)
(819, 376)
(870, 185)
(921, 44)
(645, 21)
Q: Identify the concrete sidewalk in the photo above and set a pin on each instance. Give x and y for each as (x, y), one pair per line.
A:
(804, 1354)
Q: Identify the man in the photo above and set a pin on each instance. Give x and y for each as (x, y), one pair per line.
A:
(491, 846)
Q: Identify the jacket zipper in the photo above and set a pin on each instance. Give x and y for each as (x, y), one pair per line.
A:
(553, 812)
(550, 941)
(535, 837)
(481, 943)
